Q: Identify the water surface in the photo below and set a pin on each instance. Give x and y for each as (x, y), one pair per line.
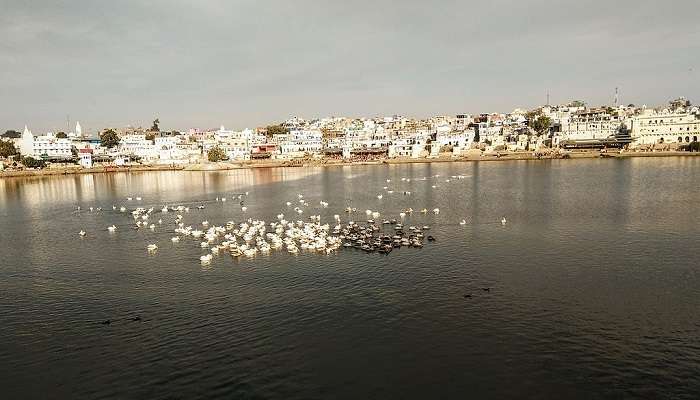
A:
(594, 286)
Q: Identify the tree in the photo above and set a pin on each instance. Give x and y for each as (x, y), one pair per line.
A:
(109, 138)
(577, 103)
(31, 162)
(151, 135)
(7, 149)
(276, 130)
(61, 135)
(12, 134)
(155, 127)
(680, 102)
(216, 154)
(532, 115)
(541, 124)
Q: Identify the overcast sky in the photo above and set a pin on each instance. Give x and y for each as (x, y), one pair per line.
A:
(248, 63)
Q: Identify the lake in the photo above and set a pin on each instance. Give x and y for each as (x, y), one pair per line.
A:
(593, 285)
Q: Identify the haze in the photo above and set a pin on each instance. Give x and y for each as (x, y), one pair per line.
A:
(249, 63)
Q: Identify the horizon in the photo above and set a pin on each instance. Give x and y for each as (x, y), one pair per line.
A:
(244, 64)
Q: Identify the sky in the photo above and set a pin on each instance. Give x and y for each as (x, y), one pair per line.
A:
(250, 63)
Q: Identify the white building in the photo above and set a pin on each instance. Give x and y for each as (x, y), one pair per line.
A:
(78, 133)
(137, 145)
(85, 156)
(405, 148)
(299, 143)
(456, 139)
(590, 125)
(45, 146)
(653, 128)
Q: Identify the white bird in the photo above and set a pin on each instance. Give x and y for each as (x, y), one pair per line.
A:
(244, 208)
(379, 196)
(82, 233)
(175, 239)
(462, 222)
(112, 228)
(129, 198)
(138, 199)
(503, 221)
(151, 247)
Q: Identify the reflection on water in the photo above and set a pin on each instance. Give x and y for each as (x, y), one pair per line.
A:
(594, 286)
(84, 188)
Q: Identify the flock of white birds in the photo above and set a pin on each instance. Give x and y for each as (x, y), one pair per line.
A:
(255, 236)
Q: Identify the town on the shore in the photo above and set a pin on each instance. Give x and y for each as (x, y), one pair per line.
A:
(547, 131)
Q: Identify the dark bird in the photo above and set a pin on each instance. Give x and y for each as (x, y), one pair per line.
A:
(137, 318)
(486, 289)
(107, 322)
(467, 296)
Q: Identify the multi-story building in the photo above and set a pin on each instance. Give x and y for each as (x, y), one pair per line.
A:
(299, 143)
(47, 146)
(593, 124)
(651, 128)
(137, 145)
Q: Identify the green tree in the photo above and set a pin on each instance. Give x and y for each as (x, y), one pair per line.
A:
(680, 102)
(155, 127)
(532, 115)
(151, 135)
(577, 103)
(276, 130)
(7, 149)
(541, 124)
(12, 134)
(31, 162)
(109, 138)
(61, 135)
(216, 154)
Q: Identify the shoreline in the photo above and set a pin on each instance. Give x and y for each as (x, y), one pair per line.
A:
(225, 166)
